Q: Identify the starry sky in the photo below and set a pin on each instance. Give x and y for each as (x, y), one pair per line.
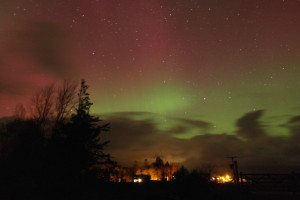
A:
(191, 80)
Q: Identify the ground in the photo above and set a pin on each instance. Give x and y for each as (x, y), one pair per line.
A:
(148, 191)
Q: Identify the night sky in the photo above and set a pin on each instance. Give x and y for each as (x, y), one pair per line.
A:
(193, 81)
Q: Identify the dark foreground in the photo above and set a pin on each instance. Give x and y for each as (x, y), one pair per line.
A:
(146, 191)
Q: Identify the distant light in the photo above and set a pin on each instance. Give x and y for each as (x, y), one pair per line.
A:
(222, 179)
(137, 180)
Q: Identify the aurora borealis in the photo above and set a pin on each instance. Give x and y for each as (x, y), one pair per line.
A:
(202, 74)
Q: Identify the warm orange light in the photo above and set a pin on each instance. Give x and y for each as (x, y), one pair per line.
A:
(222, 179)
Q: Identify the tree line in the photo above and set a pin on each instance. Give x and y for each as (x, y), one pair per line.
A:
(56, 142)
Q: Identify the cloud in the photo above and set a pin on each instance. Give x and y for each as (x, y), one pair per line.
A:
(42, 42)
(194, 123)
(11, 88)
(293, 125)
(249, 126)
(33, 54)
(137, 136)
(135, 139)
(295, 119)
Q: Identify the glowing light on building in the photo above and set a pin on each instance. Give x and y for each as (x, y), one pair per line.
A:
(137, 180)
(222, 179)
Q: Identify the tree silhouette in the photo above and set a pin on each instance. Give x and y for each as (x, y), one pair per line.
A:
(78, 141)
(64, 101)
(182, 174)
(42, 103)
(22, 154)
(20, 111)
(71, 155)
(159, 163)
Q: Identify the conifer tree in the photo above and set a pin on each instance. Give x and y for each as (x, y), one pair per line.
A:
(83, 145)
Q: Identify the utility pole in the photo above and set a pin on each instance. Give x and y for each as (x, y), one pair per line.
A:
(234, 167)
